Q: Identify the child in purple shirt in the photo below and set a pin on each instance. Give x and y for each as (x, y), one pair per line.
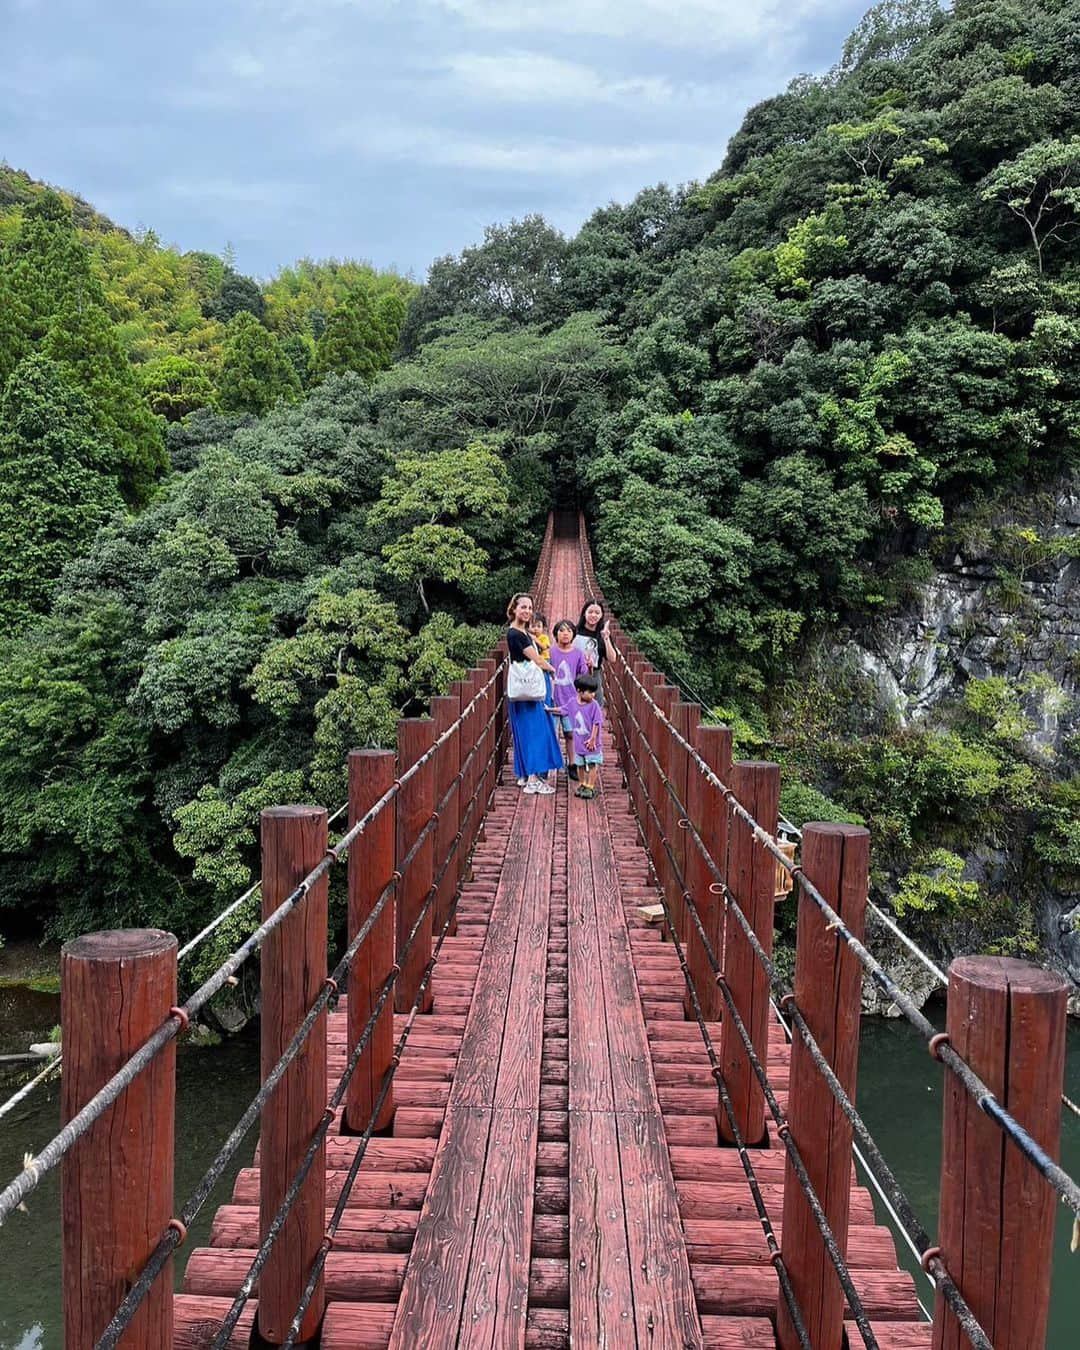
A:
(588, 718)
(569, 662)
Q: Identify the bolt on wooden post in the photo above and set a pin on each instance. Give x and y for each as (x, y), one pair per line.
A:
(828, 993)
(1006, 1019)
(371, 868)
(294, 840)
(753, 882)
(116, 989)
(416, 801)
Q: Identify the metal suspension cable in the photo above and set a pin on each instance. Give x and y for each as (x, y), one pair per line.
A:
(221, 1339)
(909, 1221)
(1067, 1189)
(875, 1184)
(174, 1234)
(764, 1219)
(36, 1167)
(832, 1248)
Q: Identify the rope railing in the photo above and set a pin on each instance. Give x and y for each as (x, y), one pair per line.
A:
(247, 1287)
(173, 1236)
(16, 1192)
(883, 1179)
(1067, 1189)
(816, 1207)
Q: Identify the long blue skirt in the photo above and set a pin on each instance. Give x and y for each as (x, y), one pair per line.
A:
(536, 746)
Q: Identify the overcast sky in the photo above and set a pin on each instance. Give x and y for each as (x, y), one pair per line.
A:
(393, 130)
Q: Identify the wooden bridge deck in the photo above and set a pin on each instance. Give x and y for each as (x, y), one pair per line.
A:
(553, 1176)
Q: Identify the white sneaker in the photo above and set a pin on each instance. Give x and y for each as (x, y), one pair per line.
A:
(543, 790)
(522, 781)
(529, 786)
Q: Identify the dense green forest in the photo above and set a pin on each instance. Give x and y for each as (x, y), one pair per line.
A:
(244, 527)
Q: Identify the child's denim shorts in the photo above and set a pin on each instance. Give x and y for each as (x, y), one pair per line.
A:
(567, 725)
(584, 761)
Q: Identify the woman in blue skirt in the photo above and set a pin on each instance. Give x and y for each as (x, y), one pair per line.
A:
(536, 746)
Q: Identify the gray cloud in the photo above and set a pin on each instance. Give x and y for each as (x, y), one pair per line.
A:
(387, 129)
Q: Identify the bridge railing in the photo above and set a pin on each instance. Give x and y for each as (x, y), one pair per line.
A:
(710, 827)
(414, 816)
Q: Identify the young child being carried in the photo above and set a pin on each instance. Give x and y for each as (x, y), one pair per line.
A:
(588, 721)
(542, 643)
(569, 662)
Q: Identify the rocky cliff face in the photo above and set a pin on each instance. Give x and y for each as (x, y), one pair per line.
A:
(1005, 603)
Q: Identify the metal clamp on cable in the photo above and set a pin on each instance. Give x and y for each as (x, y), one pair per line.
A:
(181, 1016)
(935, 1044)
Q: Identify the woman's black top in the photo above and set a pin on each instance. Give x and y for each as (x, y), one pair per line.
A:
(517, 641)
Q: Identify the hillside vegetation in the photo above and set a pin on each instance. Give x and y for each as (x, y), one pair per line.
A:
(244, 527)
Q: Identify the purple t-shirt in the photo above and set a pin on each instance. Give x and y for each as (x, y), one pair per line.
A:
(568, 666)
(585, 716)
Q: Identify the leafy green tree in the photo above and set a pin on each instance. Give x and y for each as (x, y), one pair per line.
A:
(255, 373)
(435, 494)
(352, 340)
(236, 294)
(175, 386)
(83, 340)
(55, 487)
(1041, 187)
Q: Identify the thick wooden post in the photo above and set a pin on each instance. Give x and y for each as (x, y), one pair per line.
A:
(293, 973)
(490, 771)
(685, 718)
(445, 711)
(415, 737)
(753, 882)
(371, 867)
(1006, 1018)
(707, 811)
(116, 989)
(470, 782)
(665, 697)
(828, 988)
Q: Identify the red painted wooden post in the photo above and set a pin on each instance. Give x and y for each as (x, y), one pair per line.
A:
(665, 696)
(445, 711)
(469, 741)
(685, 718)
(706, 812)
(116, 989)
(293, 973)
(753, 883)
(487, 670)
(415, 736)
(714, 746)
(828, 990)
(1006, 1018)
(371, 867)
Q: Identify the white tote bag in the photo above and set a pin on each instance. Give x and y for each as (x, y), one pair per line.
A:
(525, 683)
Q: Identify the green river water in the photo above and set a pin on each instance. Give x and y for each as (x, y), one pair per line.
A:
(899, 1094)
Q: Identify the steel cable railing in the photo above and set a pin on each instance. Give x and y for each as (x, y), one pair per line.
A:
(38, 1165)
(816, 1208)
(1066, 1188)
(884, 1175)
(172, 1238)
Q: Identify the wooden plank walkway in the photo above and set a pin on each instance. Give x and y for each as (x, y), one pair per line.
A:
(553, 1176)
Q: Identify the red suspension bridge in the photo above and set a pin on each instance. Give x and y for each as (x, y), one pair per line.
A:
(548, 1095)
